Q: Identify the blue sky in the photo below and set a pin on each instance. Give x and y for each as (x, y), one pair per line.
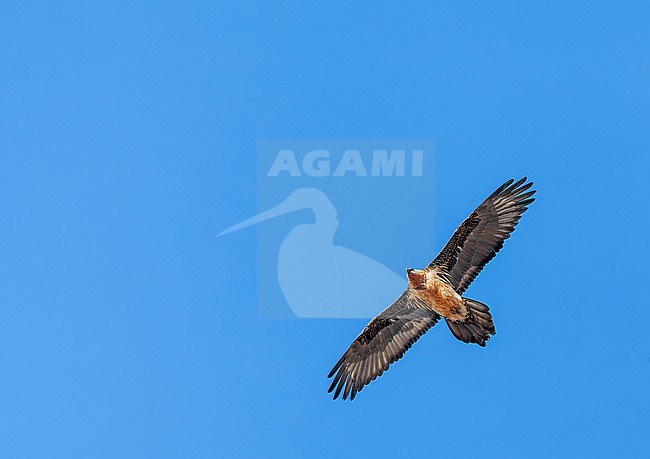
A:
(128, 139)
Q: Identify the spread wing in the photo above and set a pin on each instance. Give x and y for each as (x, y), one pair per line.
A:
(478, 239)
(384, 340)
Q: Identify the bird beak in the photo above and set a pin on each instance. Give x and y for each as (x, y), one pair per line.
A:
(288, 205)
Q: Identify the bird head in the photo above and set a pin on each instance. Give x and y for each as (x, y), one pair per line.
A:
(417, 278)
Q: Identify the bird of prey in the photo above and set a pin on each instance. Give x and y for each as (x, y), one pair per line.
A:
(436, 292)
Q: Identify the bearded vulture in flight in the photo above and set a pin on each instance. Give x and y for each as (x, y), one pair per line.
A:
(436, 292)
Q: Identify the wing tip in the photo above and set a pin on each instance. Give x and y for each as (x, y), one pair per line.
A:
(513, 190)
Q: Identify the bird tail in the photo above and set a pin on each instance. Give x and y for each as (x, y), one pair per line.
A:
(477, 328)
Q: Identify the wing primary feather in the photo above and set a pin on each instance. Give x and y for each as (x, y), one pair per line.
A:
(340, 386)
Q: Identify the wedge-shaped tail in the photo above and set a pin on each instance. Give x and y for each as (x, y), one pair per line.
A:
(477, 328)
